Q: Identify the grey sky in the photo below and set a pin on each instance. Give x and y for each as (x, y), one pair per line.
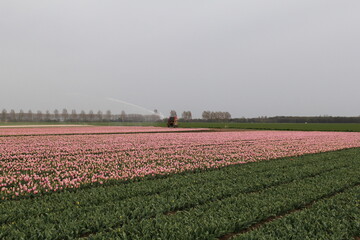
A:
(249, 57)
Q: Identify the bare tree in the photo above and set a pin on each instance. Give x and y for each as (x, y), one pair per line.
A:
(91, 116)
(65, 114)
(3, 115)
(219, 115)
(73, 116)
(39, 116)
(206, 115)
(123, 116)
(189, 115)
(82, 116)
(108, 115)
(21, 115)
(47, 115)
(56, 115)
(30, 116)
(227, 115)
(173, 113)
(186, 115)
(99, 116)
(12, 115)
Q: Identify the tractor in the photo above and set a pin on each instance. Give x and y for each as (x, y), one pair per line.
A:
(172, 122)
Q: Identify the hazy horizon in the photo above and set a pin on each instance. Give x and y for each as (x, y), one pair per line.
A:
(250, 58)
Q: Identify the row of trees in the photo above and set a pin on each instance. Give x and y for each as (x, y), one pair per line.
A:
(209, 115)
(298, 119)
(99, 116)
(206, 115)
(74, 116)
(186, 115)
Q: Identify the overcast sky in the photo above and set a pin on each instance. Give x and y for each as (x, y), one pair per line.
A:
(248, 57)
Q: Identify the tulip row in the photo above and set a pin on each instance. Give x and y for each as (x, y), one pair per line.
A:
(118, 191)
(38, 164)
(198, 205)
(65, 130)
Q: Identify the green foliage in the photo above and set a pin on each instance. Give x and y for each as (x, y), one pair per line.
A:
(333, 218)
(343, 127)
(199, 205)
(240, 211)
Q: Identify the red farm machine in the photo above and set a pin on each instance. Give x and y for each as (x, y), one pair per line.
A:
(172, 122)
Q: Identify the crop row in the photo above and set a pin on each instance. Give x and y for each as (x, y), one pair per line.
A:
(60, 130)
(271, 172)
(343, 127)
(39, 164)
(197, 192)
(187, 203)
(333, 218)
(216, 219)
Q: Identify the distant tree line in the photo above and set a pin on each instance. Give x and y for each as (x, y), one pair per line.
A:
(211, 116)
(298, 119)
(185, 116)
(207, 116)
(217, 116)
(286, 119)
(74, 116)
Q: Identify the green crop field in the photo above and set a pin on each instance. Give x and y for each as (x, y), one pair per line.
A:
(308, 197)
(345, 127)
(342, 127)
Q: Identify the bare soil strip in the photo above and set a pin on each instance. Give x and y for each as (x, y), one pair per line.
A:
(270, 219)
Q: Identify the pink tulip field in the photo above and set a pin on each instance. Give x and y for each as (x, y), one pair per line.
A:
(64, 130)
(32, 165)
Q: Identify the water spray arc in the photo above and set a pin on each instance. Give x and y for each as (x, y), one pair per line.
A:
(137, 106)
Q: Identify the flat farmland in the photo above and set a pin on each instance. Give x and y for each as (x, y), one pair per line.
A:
(42, 130)
(178, 184)
(342, 127)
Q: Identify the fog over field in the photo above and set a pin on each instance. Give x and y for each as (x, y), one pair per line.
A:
(250, 58)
